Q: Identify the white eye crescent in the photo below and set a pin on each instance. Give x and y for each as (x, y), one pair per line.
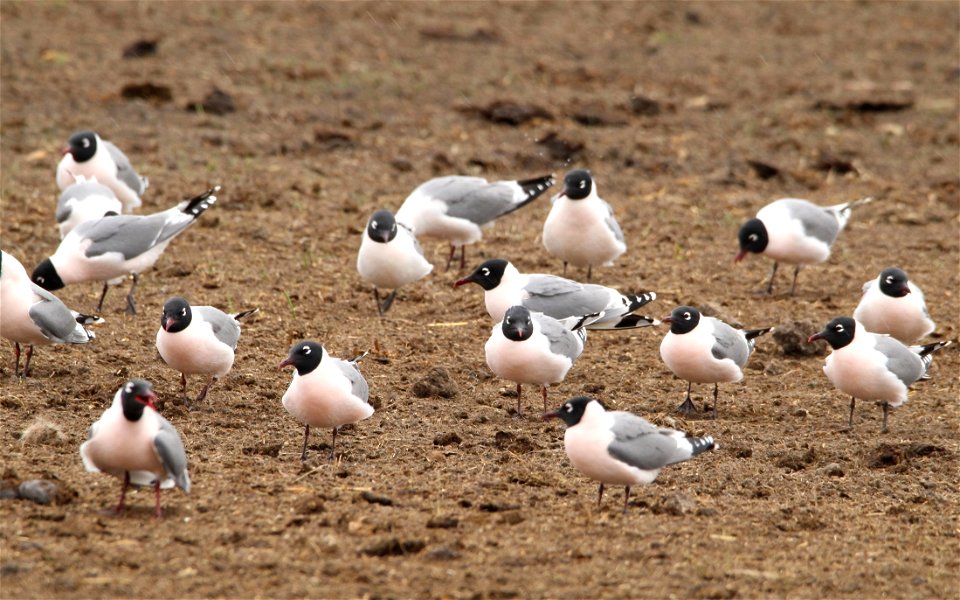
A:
(889, 279)
(568, 407)
(183, 312)
(485, 271)
(686, 316)
(838, 328)
(752, 237)
(305, 349)
(86, 143)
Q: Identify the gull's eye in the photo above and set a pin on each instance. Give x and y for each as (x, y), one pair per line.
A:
(40, 279)
(838, 328)
(752, 237)
(485, 271)
(568, 407)
(305, 349)
(183, 312)
(686, 316)
(86, 143)
(583, 184)
(373, 224)
(509, 320)
(889, 279)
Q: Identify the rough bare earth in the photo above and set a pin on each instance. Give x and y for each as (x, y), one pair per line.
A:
(691, 116)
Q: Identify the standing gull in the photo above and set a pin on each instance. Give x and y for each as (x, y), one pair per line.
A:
(534, 348)
(133, 442)
(557, 297)
(794, 231)
(894, 305)
(31, 315)
(390, 257)
(325, 391)
(871, 366)
(198, 340)
(110, 248)
(581, 229)
(88, 155)
(620, 448)
(456, 207)
(705, 350)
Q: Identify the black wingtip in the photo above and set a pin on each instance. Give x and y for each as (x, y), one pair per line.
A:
(702, 444)
(533, 188)
(196, 205)
(242, 315)
(637, 300)
(927, 349)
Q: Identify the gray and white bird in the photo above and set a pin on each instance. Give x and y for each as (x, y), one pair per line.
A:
(620, 448)
(871, 366)
(795, 232)
(31, 315)
(455, 208)
(580, 228)
(133, 442)
(88, 155)
(85, 200)
(894, 305)
(703, 349)
(504, 286)
(533, 348)
(198, 340)
(325, 391)
(111, 248)
(390, 257)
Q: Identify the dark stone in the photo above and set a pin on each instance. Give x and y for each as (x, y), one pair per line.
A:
(395, 547)
(375, 499)
(446, 439)
(647, 107)
(217, 102)
(140, 49)
(442, 522)
(559, 148)
(763, 170)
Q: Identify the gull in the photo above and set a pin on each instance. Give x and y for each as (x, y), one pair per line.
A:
(795, 232)
(88, 155)
(894, 305)
(455, 207)
(390, 257)
(620, 448)
(85, 200)
(111, 248)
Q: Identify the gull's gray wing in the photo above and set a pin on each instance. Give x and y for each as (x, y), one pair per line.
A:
(125, 172)
(561, 298)
(173, 457)
(132, 235)
(225, 327)
(641, 444)
(901, 361)
(562, 341)
(357, 382)
(56, 322)
(79, 191)
(612, 224)
(817, 222)
(471, 198)
(729, 343)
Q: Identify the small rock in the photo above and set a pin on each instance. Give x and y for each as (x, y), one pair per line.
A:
(45, 491)
(832, 470)
(706, 511)
(675, 504)
(800, 412)
(437, 383)
(504, 440)
(507, 112)
(763, 170)
(447, 439)
(401, 164)
(310, 506)
(792, 338)
(511, 518)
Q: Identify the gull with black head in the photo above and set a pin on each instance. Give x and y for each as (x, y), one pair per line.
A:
(86, 154)
(390, 257)
(894, 305)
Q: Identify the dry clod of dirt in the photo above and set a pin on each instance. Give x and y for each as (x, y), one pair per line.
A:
(141, 49)
(504, 440)
(675, 504)
(217, 102)
(796, 461)
(831, 470)
(43, 432)
(647, 107)
(147, 91)
(436, 384)
(890, 455)
(443, 553)
(792, 336)
(508, 112)
(310, 505)
(447, 439)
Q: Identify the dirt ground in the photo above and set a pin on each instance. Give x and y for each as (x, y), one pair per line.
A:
(691, 116)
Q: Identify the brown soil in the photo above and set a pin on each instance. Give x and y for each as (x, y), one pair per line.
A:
(691, 116)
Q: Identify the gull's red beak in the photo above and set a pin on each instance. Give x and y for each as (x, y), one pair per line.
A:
(740, 256)
(814, 338)
(285, 363)
(463, 281)
(167, 324)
